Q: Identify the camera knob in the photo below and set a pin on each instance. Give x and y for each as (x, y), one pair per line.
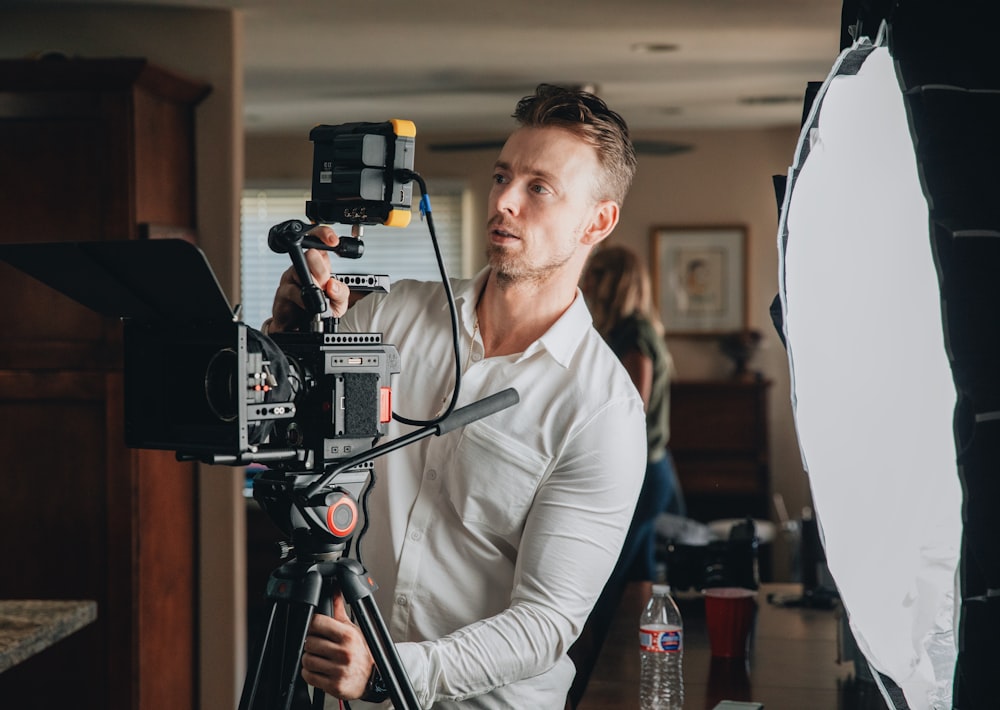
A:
(341, 514)
(285, 550)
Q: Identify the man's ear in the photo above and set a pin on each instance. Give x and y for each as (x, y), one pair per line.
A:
(604, 220)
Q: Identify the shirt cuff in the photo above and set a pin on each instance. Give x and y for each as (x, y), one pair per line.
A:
(414, 659)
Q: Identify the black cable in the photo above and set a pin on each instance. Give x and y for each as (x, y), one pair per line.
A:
(425, 208)
(364, 511)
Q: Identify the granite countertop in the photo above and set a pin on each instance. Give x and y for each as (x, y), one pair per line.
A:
(32, 625)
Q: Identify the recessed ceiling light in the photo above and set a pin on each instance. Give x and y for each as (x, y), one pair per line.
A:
(654, 47)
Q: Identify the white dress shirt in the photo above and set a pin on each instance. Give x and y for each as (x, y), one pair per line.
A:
(491, 543)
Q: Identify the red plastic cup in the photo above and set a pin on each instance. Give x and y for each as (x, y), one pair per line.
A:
(729, 613)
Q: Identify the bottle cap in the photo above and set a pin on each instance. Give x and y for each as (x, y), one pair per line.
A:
(661, 589)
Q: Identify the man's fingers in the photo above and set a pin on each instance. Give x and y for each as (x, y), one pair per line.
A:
(340, 608)
(288, 309)
(335, 657)
(319, 265)
(337, 627)
(339, 294)
(325, 234)
(328, 646)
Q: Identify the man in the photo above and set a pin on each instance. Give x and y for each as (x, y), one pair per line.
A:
(490, 544)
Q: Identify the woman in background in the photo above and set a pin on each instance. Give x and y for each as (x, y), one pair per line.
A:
(617, 287)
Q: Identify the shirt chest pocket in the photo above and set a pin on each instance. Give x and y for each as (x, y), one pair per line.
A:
(492, 478)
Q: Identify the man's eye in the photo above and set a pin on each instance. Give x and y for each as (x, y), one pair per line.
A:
(540, 189)
(499, 179)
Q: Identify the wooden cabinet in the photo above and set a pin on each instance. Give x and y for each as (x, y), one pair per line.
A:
(91, 150)
(718, 437)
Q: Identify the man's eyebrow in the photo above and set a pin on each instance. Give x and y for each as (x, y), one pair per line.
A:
(542, 174)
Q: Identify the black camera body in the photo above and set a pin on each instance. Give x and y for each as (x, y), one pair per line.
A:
(346, 392)
(720, 563)
(225, 393)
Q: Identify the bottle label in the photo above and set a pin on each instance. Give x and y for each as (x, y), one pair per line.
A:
(660, 640)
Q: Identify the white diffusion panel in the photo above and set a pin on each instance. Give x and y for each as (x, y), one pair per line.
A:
(872, 390)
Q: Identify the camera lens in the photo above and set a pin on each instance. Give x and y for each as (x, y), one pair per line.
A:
(221, 386)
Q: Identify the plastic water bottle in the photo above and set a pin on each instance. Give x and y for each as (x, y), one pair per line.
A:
(661, 650)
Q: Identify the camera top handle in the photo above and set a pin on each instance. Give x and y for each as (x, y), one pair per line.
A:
(291, 237)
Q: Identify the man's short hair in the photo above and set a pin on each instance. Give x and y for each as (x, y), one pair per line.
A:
(587, 116)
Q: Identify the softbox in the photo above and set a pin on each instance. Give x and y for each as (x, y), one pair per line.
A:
(889, 248)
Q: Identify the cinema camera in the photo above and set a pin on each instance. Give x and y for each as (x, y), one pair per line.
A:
(228, 394)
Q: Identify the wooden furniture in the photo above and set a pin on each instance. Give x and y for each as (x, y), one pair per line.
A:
(92, 150)
(718, 438)
(793, 662)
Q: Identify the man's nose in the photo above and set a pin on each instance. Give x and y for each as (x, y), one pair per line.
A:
(506, 199)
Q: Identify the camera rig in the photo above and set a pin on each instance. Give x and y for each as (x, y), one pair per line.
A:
(312, 405)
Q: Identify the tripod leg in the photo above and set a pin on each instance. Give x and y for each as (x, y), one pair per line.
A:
(357, 588)
(325, 607)
(274, 682)
(384, 652)
(252, 682)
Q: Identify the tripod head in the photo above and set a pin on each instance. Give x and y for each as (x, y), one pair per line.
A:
(319, 526)
(323, 507)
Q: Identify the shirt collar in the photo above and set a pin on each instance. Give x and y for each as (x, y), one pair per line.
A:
(560, 341)
(566, 334)
(467, 297)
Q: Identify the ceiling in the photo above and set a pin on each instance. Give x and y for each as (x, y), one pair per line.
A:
(458, 66)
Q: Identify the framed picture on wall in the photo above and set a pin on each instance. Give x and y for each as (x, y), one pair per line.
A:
(699, 278)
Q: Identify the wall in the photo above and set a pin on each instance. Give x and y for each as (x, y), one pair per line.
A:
(725, 180)
(205, 45)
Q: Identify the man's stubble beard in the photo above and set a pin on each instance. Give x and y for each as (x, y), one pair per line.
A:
(512, 269)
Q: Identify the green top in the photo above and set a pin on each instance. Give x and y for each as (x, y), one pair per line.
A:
(637, 333)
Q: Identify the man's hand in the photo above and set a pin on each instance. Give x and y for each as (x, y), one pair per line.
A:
(335, 657)
(288, 311)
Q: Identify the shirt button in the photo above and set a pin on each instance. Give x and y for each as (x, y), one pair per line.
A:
(401, 600)
(432, 475)
(415, 535)
(476, 357)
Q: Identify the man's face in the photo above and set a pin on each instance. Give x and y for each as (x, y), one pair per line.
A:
(541, 205)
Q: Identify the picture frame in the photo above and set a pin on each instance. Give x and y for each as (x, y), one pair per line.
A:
(700, 278)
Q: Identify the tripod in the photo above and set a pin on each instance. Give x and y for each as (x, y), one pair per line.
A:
(321, 518)
(297, 590)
